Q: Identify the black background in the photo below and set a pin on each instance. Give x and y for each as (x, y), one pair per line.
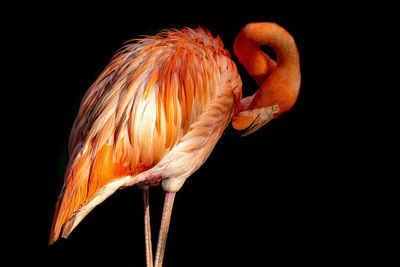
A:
(277, 196)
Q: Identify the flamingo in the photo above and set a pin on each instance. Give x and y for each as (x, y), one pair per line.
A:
(155, 113)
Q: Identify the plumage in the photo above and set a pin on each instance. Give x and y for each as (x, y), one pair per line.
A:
(150, 112)
(156, 112)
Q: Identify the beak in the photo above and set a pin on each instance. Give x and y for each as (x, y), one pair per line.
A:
(250, 121)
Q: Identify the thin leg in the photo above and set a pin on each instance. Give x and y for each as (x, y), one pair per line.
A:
(147, 230)
(162, 237)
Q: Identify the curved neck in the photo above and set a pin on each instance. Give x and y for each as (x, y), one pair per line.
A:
(281, 82)
(257, 63)
(274, 36)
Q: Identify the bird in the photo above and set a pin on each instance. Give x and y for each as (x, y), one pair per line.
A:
(157, 110)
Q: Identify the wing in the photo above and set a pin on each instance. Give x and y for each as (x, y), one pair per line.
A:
(138, 110)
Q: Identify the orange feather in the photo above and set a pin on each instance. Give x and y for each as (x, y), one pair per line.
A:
(158, 109)
(139, 114)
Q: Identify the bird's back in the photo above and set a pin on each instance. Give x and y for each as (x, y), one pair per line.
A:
(156, 96)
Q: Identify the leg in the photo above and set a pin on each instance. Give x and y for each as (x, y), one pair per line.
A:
(162, 237)
(147, 230)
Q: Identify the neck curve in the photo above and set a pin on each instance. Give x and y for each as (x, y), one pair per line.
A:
(281, 82)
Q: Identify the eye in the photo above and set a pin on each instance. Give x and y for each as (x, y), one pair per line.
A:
(275, 108)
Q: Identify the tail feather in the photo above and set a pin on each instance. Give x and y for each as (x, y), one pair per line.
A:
(76, 216)
(89, 181)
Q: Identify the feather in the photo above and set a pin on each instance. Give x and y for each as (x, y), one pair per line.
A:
(158, 107)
